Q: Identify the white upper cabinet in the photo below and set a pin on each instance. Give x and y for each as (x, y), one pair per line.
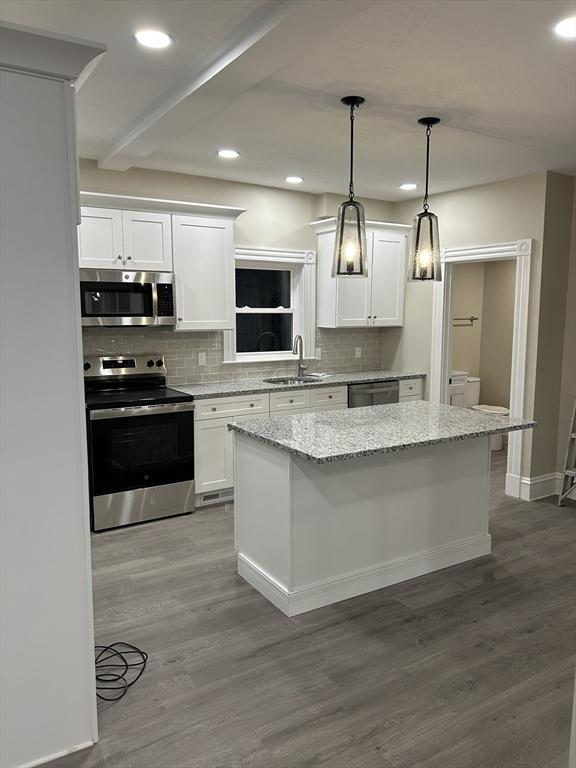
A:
(388, 278)
(204, 273)
(147, 241)
(355, 302)
(135, 240)
(100, 240)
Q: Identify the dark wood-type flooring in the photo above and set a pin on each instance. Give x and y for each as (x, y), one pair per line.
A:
(470, 667)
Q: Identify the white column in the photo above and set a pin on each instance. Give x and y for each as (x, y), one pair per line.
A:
(48, 702)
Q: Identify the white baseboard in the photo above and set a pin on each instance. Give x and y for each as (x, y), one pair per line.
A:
(56, 755)
(533, 488)
(293, 602)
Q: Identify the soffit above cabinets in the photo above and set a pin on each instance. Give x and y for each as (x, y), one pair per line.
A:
(266, 77)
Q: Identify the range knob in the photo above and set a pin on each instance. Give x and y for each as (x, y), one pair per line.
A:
(159, 363)
(150, 363)
(87, 366)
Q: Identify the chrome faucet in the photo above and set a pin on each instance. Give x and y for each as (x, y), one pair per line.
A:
(298, 349)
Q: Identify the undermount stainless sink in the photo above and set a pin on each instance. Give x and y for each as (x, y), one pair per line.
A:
(291, 380)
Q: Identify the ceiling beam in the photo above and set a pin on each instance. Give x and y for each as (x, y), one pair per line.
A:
(274, 35)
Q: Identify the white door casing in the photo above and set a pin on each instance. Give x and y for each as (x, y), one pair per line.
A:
(441, 347)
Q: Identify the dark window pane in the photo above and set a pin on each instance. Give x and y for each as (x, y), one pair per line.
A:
(263, 333)
(262, 288)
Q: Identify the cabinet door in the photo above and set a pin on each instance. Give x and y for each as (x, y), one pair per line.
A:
(457, 399)
(353, 297)
(100, 242)
(388, 279)
(204, 273)
(147, 241)
(213, 467)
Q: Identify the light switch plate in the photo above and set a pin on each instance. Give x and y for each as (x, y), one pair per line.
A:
(201, 358)
(358, 351)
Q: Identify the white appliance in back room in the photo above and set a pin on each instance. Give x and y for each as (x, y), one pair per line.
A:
(464, 391)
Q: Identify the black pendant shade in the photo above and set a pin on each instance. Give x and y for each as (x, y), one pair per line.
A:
(424, 259)
(350, 257)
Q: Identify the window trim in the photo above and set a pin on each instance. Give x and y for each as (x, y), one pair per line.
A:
(302, 264)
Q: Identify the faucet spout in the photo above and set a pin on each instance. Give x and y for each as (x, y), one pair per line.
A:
(298, 349)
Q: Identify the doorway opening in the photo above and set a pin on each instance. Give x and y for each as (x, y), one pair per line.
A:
(520, 252)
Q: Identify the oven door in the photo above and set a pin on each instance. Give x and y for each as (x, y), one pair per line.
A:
(141, 463)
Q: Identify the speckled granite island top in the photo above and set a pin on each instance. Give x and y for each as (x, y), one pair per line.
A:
(252, 386)
(348, 434)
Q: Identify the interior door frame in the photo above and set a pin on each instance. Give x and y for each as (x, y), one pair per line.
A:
(441, 348)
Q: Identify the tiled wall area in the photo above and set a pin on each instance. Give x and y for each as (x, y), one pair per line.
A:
(181, 352)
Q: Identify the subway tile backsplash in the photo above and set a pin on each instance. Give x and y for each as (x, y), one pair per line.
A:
(180, 350)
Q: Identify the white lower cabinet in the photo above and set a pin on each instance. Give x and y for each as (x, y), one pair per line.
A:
(214, 442)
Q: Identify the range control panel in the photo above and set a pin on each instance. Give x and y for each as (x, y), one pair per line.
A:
(124, 365)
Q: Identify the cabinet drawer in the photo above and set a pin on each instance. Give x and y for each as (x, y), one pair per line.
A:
(286, 401)
(410, 387)
(328, 396)
(219, 407)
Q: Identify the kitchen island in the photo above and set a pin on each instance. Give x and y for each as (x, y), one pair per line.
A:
(334, 504)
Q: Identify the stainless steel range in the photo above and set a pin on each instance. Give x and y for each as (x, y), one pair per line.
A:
(140, 441)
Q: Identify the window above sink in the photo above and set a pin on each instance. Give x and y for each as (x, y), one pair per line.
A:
(275, 300)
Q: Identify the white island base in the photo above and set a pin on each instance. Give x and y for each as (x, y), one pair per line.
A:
(311, 534)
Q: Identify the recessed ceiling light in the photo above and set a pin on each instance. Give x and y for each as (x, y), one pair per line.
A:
(228, 154)
(566, 27)
(408, 186)
(294, 179)
(153, 38)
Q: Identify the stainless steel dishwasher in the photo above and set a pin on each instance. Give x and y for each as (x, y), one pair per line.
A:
(373, 393)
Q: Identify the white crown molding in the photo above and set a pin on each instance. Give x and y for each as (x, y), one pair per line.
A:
(492, 252)
(129, 202)
(275, 254)
(321, 226)
(47, 54)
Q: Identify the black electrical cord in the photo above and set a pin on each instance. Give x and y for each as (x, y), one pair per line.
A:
(118, 666)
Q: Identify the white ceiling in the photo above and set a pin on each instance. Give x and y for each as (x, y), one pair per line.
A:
(265, 77)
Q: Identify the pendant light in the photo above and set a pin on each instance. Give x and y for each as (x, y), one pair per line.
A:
(424, 245)
(350, 247)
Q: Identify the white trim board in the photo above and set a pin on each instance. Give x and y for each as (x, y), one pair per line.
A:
(533, 488)
(441, 347)
(293, 602)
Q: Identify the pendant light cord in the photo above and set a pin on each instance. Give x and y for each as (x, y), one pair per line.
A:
(428, 132)
(351, 185)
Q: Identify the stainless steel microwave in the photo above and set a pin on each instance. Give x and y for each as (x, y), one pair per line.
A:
(115, 297)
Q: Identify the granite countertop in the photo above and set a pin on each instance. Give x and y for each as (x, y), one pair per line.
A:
(252, 386)
(347, 434)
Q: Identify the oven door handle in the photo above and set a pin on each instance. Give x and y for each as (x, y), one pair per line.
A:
(140, 410)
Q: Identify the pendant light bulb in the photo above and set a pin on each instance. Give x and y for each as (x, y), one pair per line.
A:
(350, 257)
(424, 261)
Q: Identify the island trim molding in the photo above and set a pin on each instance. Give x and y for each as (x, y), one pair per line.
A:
(360, 582)
(521, 250)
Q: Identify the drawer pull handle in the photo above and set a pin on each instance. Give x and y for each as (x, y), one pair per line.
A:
(213, 408)
(251, 405)
(329, 397)
(291, 400)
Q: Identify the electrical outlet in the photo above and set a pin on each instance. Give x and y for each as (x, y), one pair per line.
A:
(318, 353)
(358, 351)
(201, 358)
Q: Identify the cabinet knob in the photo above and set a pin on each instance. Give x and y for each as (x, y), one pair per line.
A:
(251, 405)
(291, 400)
(375, 316)
(129, 258)
(329, 397)
(213, 408)
(119, 257)
(179, 319)
(369, 317)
